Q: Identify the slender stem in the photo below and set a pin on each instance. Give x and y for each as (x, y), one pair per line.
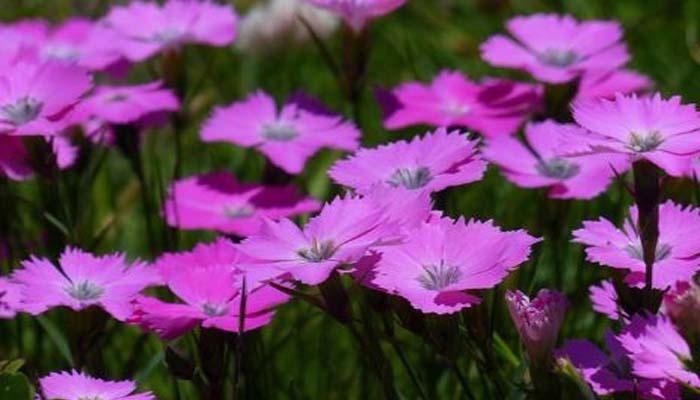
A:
(647, 192)
(462, 380)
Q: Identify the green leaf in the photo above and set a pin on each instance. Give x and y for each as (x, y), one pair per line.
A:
(57, 338)
(11, 365)
(504, 351)
(15, 386)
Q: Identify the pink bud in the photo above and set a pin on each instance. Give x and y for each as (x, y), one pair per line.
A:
(682, 304)
(537, 321)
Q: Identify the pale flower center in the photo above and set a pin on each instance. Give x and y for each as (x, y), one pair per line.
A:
(643, 142)
(24, 110)
(558, 58)
(455, 109)
(319, 251)
(279, 132)
(117, 97)
(241, 211)
(62, 52)
(410, 178)
(214, 310)
(90, 397)
(168, 35)
(84, 291)
(439, 276)
(635, 251)
(558, 168)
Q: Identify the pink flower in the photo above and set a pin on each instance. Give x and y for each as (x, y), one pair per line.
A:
(147, 28)
(495, 107)
(431, 162)
(543, 164)
(288, 137)
(676, 253)
(358, 13)
(82, 42)
(83, 280)
(658, 351)
(606, 84)
(557, 48)
(127, 104)
(682, 305)
(341, 234)
(76, 385)
(36, 96)
(605, 301)
(610, 374)
(537, 321)
(664, 132)
(217, 201)
(437, 263)
(10, 298)
(210, 282)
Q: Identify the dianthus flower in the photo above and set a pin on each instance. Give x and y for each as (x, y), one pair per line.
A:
(76, 385)
(358, 13)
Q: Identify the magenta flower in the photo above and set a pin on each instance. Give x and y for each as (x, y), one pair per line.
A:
(82, 42)
(664, 132)
(15, 160)
(431, 162)
(10, 298)
(341, 234)
(35, 97)
(606, 84)
(147, 28)
(217, 201)
(605, 301)
(435, 266)
(542, 163)
(658, 351)
(537, 321)
(83, 280)
(358, 13)
(557, 48)
(494, 107)
(209, 282)
(127, 104)
(676, 252)
(610, 374)
(76, 385)
(288, 137)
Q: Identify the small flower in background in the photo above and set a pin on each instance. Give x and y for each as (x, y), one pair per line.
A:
(146, 28)
(217, 201)
(437, 263)
(83, 280)
(537, 321)
(127, 104)
(76, 385)
(664, 132)
(606, 84)
(341, 234)
(36, 97)
(358, 13)
(209, 280)
(658, 351)
(557, 48)
(608, 374)
(276, 24)
(494, 107)
(431, 162)
(605, 301)
(676, 252)
(80, 41)
(541, 163)
(10, 298)
(287, 137)
(682, 305)
(15, 159)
